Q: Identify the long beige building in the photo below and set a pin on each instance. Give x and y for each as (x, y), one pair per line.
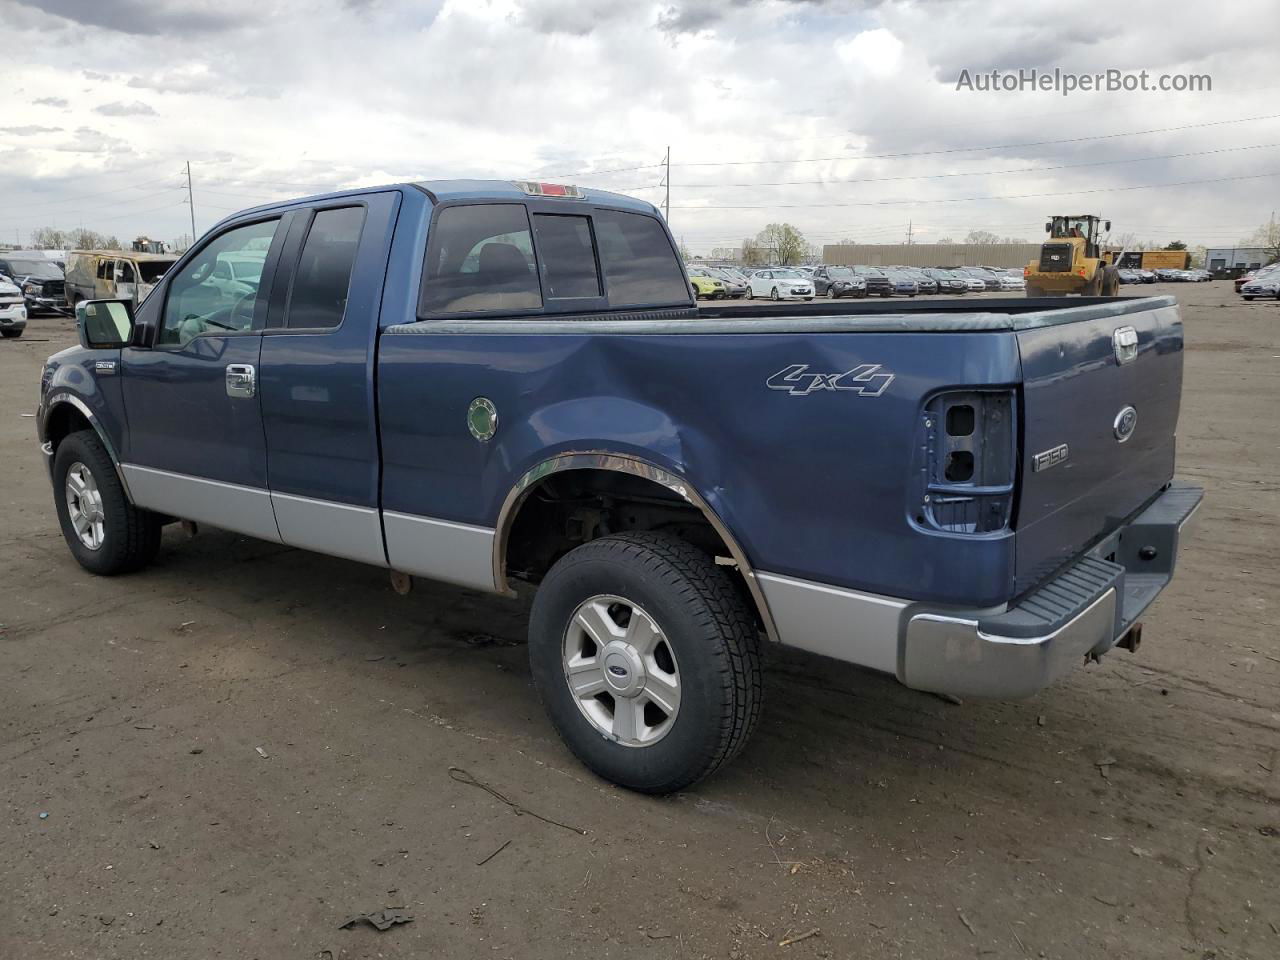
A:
(931, 254)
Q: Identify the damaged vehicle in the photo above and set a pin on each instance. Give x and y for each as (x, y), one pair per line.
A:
(39, 278)
(508, 386)
(114, 274)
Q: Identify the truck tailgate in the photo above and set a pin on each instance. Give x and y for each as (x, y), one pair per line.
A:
(1085, 386)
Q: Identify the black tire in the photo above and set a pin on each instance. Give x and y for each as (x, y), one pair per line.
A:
(885, 293)
(712, 636)
(831, 292)
(773, 294)
(131, 537)
(10, 334)
(1247, 297)
(1110, 282)
(748, 295)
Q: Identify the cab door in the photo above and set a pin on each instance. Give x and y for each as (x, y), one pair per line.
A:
(126, 280)
(195, 446)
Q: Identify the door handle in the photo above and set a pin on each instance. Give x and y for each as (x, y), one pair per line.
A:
(242, 380)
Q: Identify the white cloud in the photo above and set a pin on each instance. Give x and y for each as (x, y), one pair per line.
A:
(877, 51)
(333, 93)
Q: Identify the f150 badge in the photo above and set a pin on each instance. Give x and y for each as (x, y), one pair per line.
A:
(865, 380)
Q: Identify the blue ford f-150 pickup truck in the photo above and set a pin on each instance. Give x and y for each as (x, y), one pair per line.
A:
(497, 383)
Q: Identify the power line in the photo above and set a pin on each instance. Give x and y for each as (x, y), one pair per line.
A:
(998, 146)
(1015, 196)
(973, 173)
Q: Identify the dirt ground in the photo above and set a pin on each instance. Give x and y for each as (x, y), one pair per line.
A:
(232, 753)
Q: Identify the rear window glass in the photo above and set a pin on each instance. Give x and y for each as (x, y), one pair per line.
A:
(567, 256)
(480, 257)
(640, 267)
(320, 284)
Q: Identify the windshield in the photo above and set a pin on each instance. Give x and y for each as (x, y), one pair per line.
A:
(841, 272)
(788, 275)
(43, 269)
(152, 270)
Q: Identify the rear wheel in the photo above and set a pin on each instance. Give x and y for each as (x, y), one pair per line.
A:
(106, 533)
(646, 659)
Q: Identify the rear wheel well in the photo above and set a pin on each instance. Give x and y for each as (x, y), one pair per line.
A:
(573, 507)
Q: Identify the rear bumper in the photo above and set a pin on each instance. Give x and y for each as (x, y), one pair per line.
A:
(1082, 612)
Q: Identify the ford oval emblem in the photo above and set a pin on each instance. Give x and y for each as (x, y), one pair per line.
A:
(1125, 423)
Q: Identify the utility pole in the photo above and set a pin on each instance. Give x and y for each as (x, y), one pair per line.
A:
(910, 224)
(666, 204)
(191, 202)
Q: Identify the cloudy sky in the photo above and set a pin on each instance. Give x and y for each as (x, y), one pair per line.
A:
(842, 118)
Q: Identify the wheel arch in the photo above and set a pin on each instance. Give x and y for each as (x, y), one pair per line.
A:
(64, 414)
(621, 465)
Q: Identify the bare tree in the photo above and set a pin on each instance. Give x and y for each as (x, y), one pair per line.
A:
(981, 236)
(752, 253)
(784, 242)
(48, 238)
(1267, 237)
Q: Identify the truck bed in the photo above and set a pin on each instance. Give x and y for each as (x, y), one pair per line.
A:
(986, 314)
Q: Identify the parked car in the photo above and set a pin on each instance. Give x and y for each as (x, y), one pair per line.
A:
(948, 281)
(902, 284)
(1012, 281)
(925, 284)
(38, 277)
(112, 274)
(1199, 275)
(1129, 276)
(836, 281)
(13, 310)
(735, 285)
(1264, 284)
(583, 456)
(877, 280)
(985, 281)
(1168, 275)
(781, 283)
(705, 286)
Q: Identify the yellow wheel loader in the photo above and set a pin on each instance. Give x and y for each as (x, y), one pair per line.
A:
(1071, 260)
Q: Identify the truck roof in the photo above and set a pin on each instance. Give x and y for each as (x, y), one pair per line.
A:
(446, 190)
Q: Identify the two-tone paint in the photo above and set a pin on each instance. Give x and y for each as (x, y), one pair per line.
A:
(355, 441)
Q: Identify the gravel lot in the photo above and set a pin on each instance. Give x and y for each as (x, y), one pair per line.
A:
(244, 746)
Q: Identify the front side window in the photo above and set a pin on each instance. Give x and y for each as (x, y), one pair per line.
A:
(480, 258)
(105, 268)
(640, 267)
(323, 276)
(206, 297)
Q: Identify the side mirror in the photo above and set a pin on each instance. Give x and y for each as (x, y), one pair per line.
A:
(1108, 226)
(1048, 228)
(104, 324)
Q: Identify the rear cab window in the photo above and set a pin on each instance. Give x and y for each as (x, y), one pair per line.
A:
(505, 258)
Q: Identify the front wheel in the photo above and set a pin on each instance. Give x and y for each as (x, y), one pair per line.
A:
(773, 294)
(106, 533)
(10, 334)
(646, 659)
(831, 293)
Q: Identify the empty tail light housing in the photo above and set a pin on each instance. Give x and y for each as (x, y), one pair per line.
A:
(968, 467)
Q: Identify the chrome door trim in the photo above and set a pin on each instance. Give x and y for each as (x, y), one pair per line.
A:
(231, 506)
(444, 550)
(619, 463)
(326, 526)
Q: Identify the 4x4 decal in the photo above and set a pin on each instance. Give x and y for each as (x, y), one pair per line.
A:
(865, 380)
